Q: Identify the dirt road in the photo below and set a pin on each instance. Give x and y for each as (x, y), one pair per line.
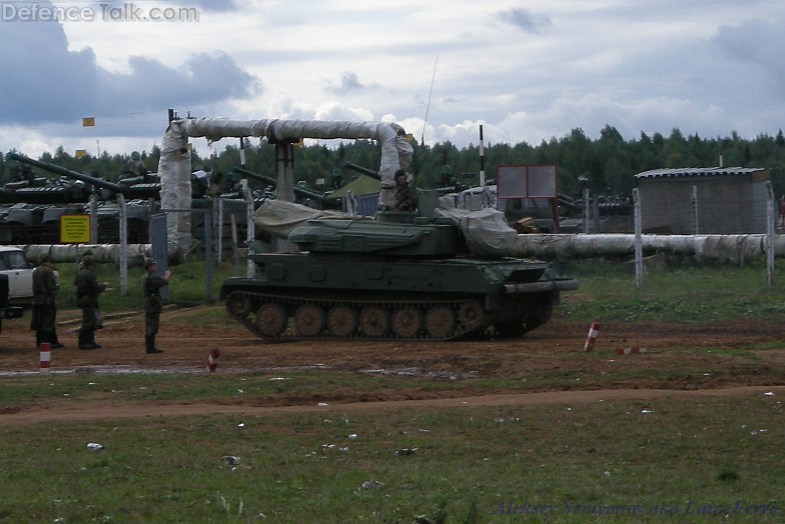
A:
(683, 359)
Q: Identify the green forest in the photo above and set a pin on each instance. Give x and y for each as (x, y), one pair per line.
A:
(609, 163)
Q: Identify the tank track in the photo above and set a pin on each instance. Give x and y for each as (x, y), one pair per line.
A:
(312, 318)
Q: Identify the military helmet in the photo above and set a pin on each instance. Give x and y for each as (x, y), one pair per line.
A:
(87, 260)
(44, 257)
(149, 262)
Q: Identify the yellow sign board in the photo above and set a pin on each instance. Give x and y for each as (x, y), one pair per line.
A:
(88, 121)
(75, 229)
(80, 153)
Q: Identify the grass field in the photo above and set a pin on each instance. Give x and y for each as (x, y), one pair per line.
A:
(707, 460)
(622, 461)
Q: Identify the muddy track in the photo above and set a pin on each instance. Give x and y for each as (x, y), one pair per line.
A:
(677, 360)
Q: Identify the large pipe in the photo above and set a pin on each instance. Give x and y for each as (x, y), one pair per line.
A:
(396, 151)
(487, 233)
(174, 167)
(730, 248)
(104, 184)
(102, 253)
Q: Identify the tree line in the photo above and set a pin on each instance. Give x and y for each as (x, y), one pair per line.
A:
(607, 165)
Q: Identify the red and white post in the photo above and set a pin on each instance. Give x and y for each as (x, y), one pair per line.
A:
(212, 360)
(45, 358)
(594, 330)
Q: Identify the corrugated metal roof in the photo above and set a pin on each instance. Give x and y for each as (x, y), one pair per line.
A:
(699, 171)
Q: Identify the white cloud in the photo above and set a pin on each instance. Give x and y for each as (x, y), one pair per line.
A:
(526, 70)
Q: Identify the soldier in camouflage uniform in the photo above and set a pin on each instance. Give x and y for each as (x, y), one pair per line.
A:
(44, 315)
(135, 166)
(87, 291)
(405, 195)
(151, 286)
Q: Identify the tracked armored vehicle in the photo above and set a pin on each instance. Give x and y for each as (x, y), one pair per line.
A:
(396, 277)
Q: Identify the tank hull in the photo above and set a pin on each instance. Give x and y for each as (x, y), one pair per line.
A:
(340, 296)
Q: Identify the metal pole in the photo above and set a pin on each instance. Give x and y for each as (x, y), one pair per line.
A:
(482, 159)
(694, 205)
(638, 240)
(586, 210)
(769, 242)
(208, 256)
(123, 258)
(218, 205)
(93, 218)
(235, 257)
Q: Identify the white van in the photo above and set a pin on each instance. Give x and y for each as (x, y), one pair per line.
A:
(14, 263)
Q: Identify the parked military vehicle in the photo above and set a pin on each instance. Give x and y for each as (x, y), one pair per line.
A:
(398, 276)
(31, 206)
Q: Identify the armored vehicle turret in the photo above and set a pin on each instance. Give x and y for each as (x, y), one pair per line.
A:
(396, 276)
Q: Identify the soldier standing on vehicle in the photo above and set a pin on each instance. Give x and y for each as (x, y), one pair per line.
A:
(87, 291)
(151, 292)
(44, 315)
(405, 195)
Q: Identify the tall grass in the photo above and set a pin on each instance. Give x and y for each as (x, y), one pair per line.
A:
(685, 292)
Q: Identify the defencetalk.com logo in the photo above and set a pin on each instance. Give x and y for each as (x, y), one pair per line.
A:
(102, 12)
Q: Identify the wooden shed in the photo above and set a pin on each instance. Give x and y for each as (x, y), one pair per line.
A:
(706, 201)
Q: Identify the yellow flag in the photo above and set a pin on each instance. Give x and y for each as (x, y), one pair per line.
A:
(88, 121)
(80, 153)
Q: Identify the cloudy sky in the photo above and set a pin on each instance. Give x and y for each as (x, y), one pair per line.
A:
(528, 70)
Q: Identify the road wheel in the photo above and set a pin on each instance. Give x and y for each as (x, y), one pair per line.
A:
(238, 304)
(342, 321)
(440, 322)
(309, 320)
(471, 315)
(374, 321)
(271, 319)
(406, 322)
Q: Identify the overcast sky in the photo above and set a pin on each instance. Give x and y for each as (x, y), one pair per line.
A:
(528, 70)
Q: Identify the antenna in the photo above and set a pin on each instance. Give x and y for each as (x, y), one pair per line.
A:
(428, 105)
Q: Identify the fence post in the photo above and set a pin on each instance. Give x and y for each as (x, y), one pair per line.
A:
(586, 204)
(769, 242)
(638, 239)
(694, 206)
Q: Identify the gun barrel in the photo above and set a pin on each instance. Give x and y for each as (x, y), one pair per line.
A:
(104, 184)
(361, 169)
(303, 192)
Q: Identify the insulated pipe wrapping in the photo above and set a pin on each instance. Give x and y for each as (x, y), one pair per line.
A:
(101, 253)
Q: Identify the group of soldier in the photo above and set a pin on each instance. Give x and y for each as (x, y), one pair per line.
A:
(88, 289)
